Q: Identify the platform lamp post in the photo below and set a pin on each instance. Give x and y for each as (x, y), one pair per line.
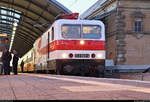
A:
(15, 24)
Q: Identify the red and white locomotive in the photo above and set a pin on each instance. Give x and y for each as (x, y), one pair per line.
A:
(71, 46)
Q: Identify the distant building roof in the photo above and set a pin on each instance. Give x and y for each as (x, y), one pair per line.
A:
(93, 8)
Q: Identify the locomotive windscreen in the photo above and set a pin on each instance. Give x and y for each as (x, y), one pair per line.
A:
(81, 31)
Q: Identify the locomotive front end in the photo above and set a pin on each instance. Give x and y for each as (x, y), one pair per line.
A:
(81, 48)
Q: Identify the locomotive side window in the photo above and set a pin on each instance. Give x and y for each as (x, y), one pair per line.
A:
(91, 31)
(52, 33)
(71, 31)
(48, 44)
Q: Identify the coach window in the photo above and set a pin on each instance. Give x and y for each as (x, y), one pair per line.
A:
(138, 25)
(52, 33)
(91, 31)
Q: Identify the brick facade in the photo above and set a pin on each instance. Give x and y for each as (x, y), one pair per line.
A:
(137, 44)
(124, 45)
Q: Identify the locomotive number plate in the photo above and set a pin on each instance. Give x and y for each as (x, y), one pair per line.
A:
(82, 55)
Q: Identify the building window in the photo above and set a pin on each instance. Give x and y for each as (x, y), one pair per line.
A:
(138, 26)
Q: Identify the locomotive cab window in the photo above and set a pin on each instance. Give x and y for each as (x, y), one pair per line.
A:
(91, 31)
(81, 31)
(71, 31)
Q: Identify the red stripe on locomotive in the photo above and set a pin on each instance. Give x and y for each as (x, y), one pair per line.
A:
(73, 45)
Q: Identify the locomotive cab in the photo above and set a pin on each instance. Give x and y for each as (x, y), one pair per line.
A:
(80, 47)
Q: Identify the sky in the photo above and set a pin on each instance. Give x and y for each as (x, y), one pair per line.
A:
(78, 6)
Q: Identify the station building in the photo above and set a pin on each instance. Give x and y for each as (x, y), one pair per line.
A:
(127, 29)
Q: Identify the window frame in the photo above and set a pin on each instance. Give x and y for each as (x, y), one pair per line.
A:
(52, 34)
(71, 25)
(138, 25)
(91, 25)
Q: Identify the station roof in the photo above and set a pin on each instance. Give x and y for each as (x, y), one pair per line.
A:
(92, 9)
(26, 20)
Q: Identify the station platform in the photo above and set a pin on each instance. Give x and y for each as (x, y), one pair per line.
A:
(58, 87)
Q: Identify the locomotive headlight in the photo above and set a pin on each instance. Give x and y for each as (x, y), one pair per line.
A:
(82, 42)
(100, 55)
(64, 55)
